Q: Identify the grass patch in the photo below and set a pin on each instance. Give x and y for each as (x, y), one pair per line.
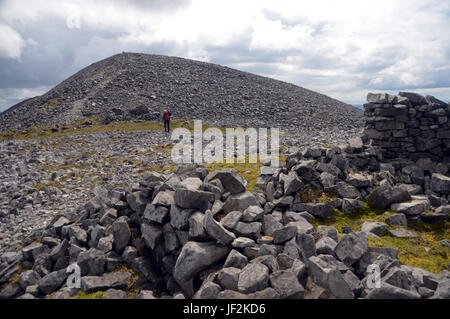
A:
(132, 290)
(412, 251)
(53, 103)
(355, 221)
(48, 184)
(94, 125)
(251, 171)
(93, 295)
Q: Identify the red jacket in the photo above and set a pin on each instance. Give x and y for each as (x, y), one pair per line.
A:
(167, 115)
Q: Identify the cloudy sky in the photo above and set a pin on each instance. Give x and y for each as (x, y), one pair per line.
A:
(342, 48)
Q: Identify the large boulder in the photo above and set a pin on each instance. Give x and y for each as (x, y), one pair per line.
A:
(292, 183)
(216, 230)
(285, 282)
(412, 208)
(192, 199)
(115, 280)
(327, 276)
(254, 277)
(122, 234)
(196, 256)
(239, 202)
(376, 228)
(352, 247)
(319, 210)
(231, 180)
(440, 184)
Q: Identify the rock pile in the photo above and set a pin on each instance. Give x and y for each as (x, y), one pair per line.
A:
(128, 87)
(200, 234)
(409, 126)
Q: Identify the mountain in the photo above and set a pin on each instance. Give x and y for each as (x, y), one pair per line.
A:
(132, 86)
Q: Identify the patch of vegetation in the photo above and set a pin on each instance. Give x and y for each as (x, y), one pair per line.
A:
(355, 221)
(48, 184)
(15, 279)
(53, 103)
(412, 251)
(251, 171)
(132, 290)
(94, 125)
(93, 295)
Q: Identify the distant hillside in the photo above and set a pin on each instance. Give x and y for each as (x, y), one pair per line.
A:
(133, 86)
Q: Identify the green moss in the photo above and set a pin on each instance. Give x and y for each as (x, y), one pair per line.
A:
(412, 251)
(251, 171)
(48, 184)
(93, 295)
(53, 103)
(355, 221)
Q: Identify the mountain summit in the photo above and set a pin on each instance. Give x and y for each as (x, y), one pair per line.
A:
(132, 86)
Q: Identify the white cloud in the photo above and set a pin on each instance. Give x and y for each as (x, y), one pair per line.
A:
(342, 48)
(11, 44)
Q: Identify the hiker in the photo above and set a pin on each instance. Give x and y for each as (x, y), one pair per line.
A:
(166, 118)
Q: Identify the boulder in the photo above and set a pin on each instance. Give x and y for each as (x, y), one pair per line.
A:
(292, 183)
(376, 228)
(254, 277)
(216, 230)
(151, 234)
(122, 234)
(192, 199)
(197, 256)
(239, 202)
(440, 184)
(397, 220)
(114, 280)
(231, 180)
(352, 206)
(412, 208)
(319, 210)
(286, 284)
(352, 247)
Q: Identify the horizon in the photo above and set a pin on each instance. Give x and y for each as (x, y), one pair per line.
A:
(342, 50)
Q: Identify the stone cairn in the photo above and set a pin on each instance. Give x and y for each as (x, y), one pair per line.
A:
(199, 234)
(408, 126)
(196, 234)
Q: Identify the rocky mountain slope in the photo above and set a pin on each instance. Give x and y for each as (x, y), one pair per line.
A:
(132, 86)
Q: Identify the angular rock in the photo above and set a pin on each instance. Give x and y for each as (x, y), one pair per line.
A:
(397, 220)
(254, 277)
(376, 228)
(151, 234)
(352, 247)
(285, 282)
(216, 230)
(114, 280)
(121, 233)
(195, 257)
(191, 199)
(235, 259)
(239, 202)
(231, 180)
(352, 206)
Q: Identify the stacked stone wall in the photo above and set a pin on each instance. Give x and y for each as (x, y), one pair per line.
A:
(408, 126)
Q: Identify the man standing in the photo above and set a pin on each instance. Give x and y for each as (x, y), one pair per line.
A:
(166, 118)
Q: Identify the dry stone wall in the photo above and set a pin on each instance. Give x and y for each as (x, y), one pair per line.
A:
(408, 126)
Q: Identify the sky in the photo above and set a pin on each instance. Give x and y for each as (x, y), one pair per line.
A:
(341, 48)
